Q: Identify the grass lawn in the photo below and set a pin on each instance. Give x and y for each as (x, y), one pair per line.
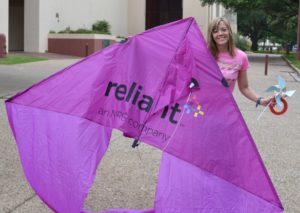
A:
(19, 59)
(293, 60)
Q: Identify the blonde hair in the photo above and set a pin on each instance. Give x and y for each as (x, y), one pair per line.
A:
(212, 46)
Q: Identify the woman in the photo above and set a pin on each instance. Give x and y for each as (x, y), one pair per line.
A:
(232, 62)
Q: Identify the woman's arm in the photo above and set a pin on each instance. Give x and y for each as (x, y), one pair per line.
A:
(248, 92)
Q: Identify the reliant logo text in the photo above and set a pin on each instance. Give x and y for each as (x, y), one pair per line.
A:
(135, 96)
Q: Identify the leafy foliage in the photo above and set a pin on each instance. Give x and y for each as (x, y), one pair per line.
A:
(102, 26)
(241, 42)
(254, 24)
(99, 27)
(284, 31)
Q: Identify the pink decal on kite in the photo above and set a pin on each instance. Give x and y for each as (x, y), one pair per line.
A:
(193, 106)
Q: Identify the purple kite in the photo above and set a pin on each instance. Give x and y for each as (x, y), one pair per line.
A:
(161, 87)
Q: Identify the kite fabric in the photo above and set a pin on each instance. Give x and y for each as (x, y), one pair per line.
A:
(142, 87)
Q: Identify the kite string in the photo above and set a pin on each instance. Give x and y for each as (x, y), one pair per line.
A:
(139, 154)
(176, 127)
(144, 171)
(263, 111)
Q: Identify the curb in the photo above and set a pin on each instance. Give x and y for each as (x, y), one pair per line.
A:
(291, 65)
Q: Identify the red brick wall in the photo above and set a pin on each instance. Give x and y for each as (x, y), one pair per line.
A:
(76, 47)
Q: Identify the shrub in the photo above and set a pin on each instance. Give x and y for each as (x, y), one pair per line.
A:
(83, 31)
(67, 30)
(102, 27)
(241, 42)
(80, 31)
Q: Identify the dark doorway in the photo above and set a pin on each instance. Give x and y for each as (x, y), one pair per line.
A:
(162, 11)
(16, 25)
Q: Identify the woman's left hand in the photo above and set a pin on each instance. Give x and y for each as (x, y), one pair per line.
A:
(266, 101)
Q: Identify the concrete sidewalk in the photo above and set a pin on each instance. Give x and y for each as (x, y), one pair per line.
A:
(14, 78)
(124, 181)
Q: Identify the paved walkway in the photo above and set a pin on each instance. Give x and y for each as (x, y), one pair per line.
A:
(122, 182)
(14, 78)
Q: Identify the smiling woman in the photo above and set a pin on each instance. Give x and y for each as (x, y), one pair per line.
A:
(19, 59)
(233, 62)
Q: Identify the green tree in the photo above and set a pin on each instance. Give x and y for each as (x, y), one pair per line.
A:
(102, 26)
(284, 31)
(254, 24)
(286, 8)
(283, 21)
(283, 8)
(241, 42)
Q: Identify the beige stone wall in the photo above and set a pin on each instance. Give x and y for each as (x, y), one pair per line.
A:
(136, 16)
(32, 26)
(204, 15)
(4, 19)
(193, 8)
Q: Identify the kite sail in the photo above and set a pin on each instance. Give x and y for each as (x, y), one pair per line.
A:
(62, 126)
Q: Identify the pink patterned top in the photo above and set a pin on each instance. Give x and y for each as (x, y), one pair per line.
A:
(231, 66)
